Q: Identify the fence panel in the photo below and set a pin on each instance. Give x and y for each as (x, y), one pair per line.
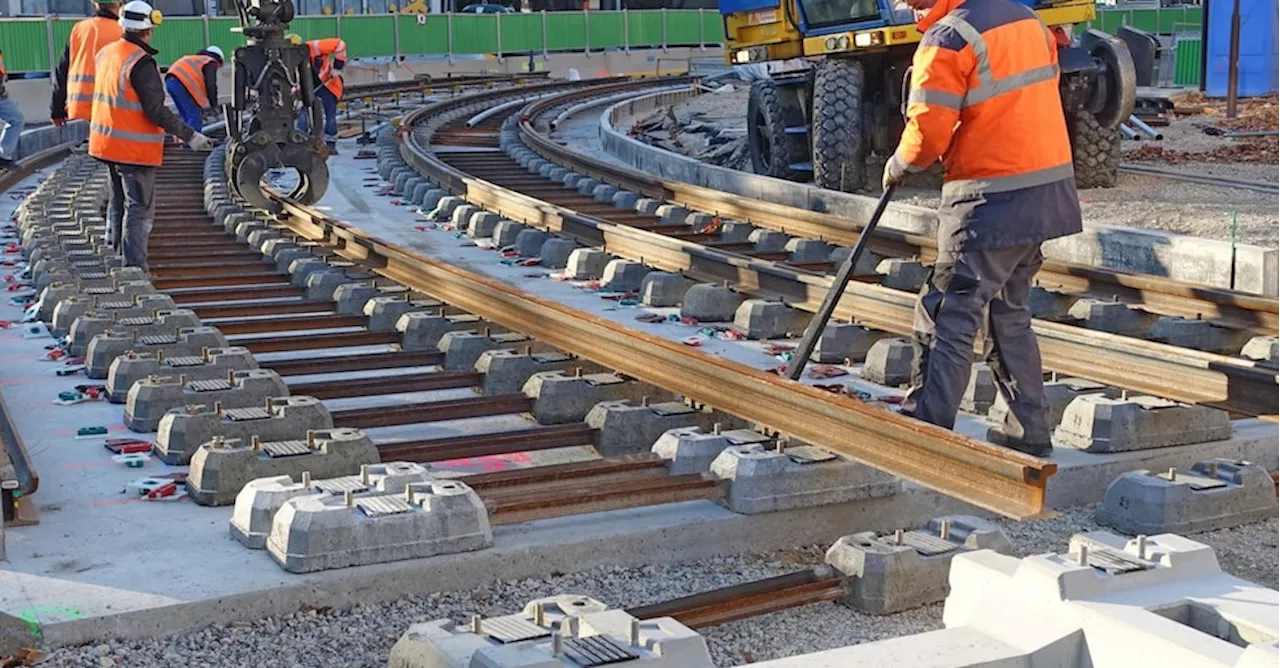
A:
(566, 31)
(475, 33)
(316, 27)
(606, 30)
(25, 43)
(521, 32)
(431, 37)
(368, 36)
(644, 28)
(1186, 61)
(176, 38)
(683, 27)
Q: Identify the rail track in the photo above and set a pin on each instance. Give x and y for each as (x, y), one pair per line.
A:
(1202, 179)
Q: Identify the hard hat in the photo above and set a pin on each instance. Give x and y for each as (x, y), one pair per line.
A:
(294, 38)
(216, 51)
(139, 15)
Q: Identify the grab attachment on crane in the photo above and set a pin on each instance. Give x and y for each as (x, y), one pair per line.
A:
(273, 84)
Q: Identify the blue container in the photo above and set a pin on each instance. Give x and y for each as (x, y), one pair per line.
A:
(1259, 73)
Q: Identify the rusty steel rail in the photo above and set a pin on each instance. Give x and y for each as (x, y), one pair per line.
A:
(991, 477)
(750, 599)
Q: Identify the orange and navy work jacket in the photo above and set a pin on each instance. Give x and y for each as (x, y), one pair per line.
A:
(190, 71)
(324, 52)
(120, 130)
(88, 37)
(984, 99)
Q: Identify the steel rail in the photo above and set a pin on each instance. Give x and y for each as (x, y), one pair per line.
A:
(1202, 179)
(1238, 385)
(988, 476)
(750, 599)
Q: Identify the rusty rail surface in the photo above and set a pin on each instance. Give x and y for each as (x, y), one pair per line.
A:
(728, 604)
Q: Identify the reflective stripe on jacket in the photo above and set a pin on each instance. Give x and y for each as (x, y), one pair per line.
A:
(88, 37)
(120, 130)
(190, 71)
(326, 51)
(984, 99)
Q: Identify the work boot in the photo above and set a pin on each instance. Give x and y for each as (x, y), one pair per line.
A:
(333, 147)
(1035, 448)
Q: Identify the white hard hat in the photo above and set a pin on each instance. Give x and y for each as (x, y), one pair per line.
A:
(139, 15)
(217, 51)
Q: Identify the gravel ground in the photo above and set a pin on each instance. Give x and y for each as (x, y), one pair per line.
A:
(363, 636)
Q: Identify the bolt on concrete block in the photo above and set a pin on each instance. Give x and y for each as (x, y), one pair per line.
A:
(1095, 423)
(887, 575)
(1214, 494)
(507, 371)
(185, 341)
(768, 240)
(586, 264)
(690, 449)
(671, 214)
(506, 232)
(529, 242)
(461, 216)
(257, 503)
(182, 430)
(625, 199)
(463, 349)
(625, 428)
(1114, 317)
(981, 391)
(91, 325)
(150, 399)
(710, 303)
(735, 232)
(559, 398)
(555, 252)
(422, 330)
(842, 341)
(444, 208)
(481, 224)
(808, 250)
(660, 289)
(766, 319)
(648, 206)
(603, 193)
(900, 274)
(215, 363)
(221, 468)
(889, 362)
(314, 533)
(1262, 349)
(1195, 334)
(1057, 396)
(762, 481)
(385, 312)
(623, 276)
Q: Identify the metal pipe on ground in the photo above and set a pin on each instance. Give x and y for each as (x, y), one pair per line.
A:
(1129, 133)
(1146, 129)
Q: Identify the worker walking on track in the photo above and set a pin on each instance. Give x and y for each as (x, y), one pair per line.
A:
(11, 119)
(127, 129)
(192, 82)
(328, 56)
(984, 98)
(73, 79)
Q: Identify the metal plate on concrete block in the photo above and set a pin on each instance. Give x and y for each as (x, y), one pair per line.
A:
(286, 448)
(601, 379)
(183, 361)
(1152, 403)
(548, 358)
(92, 276)
(597, 651)
(340, 485)
(112, 306)
(378, 506)
(246, 414)
(157, 339)
(213, 385)
(745, 437)
(140, 321)
(1114, 562)
(1196, 482)
(926, 543)
(513, 628)
(808, 454)
(100, 291)
(671, 408)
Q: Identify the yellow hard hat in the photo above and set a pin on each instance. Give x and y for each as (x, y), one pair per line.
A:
(293, 38)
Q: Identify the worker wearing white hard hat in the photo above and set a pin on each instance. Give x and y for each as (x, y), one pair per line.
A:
(192, 82)
(127, 128)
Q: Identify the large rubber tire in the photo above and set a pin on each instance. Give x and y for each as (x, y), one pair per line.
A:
(839, 145)
(767, 137)
(1095, 151)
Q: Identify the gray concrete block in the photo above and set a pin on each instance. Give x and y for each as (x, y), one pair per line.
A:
(529, 242)
(1057, 396)
(53, 294)
(185, 341)
(418, 191)
(323, 284)
(765, 319)
(506, 232)
(261, 236)
(571, 180)
(867, 262)
(762, 481)
(385, 312)
(507, 371)
(889, 362)
(1195, 334)
(431, 198)
(586, 264)
(690, 449)
(186, 428)
(603, 193)
(221, 468)
(891, 573)
(980, 393)
(625, 199)
(462, 349)
(1049, 305)
(1214, 494)
(626, 428)
(555, 252)
(69, 310)
(315, 533)
(482, 224)
(555, 173)
(444, 208)
(648, 206)
(1114, 317)
(699, 220)
(842, 341)
(1263, 349)
(735, 231)
(710, 303)
(671, 214)
(91, 325)
(257, 503)
(301, 269)
(149, 400)
(132, 367)
(808, 250)
(350, 298)
(623, 276)
(660, 288)
(559, 398)
(422, 330)
(768, 240)
(900, 274)
(1095, 423)
(286, 254)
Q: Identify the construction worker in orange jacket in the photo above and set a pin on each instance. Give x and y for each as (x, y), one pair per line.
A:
(192, 83)
(73, 78)
(127, 128)
(328, 56)
(984, 99)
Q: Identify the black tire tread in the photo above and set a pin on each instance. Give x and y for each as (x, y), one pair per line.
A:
(1095, 151)
(765, 96)
(839, 147)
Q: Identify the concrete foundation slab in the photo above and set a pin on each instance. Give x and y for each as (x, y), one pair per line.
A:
(662, 289)
(186, 342)
(132, 367)
(149, 400)
(559, 398)
(624, 428)
(762, 481)
(889, 361)
(1214, 494)
(710, 303)
(765, 319)
(185, 429)
(1097, 423)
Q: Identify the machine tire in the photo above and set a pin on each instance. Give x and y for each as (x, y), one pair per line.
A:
(1095, 151)
(767, 138)
(839, 143)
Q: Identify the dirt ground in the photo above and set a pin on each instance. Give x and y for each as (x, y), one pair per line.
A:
(712, 127)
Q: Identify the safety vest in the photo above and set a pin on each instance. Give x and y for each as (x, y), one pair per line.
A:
(87, 38)
(190, 71)
(327, 50)
(119, 130)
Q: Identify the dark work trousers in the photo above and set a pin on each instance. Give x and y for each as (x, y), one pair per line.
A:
(129, 212)
(967, 291)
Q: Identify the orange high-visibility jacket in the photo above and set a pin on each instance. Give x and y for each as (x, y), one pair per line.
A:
(88, 37)
(984, 99)
(120, 130)
(190, 71)
(327, 51)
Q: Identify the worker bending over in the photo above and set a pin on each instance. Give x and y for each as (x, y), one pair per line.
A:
(127, 129)
(984, 98)
(192, 82)
(73, 79)
(12, 120)
(328, 56)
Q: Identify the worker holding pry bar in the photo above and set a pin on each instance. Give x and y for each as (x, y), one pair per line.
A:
(984, 99)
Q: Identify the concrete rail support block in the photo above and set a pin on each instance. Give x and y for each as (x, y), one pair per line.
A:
(690, 449)
(1263, 349)
(764, 319)
(1095, 423)
(1214, 494)
(481, 224)
(54, 293)
(735, 231)
(555, 252)
(529, 242)
(186, 341)
(896, 572)
(184, 429)
(699, 220)
(587, 186)
(461, 216)
(221, 468)
(648, 206)
(350, 298)
(672, 214)
(842, 341)
(710, 303)
(1114, 317)
(463, 349)
(808, 250)
(132, 367)
(506, 232)
(67, 310)
(431, 198)
(257, 503)
(444, 208)
(623, 276)
(626, 428)
(604, 193)
(587, 264)
(663, 289)
(559, 398)
(422, 331)
(1195, 334)
(1057, 396)
(149, 400)
(1049, 305)
(323, 285)
(507, 371)
(625, 199)
(900, 274)
(981, 392)
(768, 240)
(762, 481)
(312, 533)
(571, 179)
(90, 326)
(889, 362)
(302, 268)
(386, 312)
